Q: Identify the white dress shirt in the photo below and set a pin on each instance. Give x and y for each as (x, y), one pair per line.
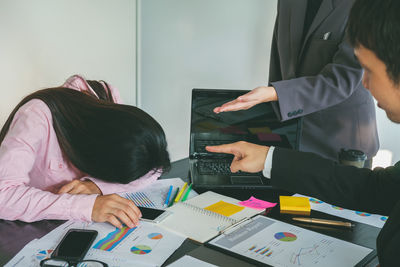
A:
(268, 163)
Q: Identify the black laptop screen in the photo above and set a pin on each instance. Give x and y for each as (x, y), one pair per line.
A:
(257, 125)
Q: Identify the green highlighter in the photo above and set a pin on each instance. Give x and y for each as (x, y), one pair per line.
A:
(187, 193)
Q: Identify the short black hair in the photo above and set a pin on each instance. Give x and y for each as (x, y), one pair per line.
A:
(375, 24)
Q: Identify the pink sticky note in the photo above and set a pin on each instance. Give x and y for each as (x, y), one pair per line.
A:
(258, 204)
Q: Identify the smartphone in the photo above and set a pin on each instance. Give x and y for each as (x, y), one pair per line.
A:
(74, 245)
(153, 215)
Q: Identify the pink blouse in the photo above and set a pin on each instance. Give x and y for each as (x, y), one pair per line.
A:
(32, 168)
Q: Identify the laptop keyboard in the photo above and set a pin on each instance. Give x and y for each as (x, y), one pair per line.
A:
(201, 144)
(214, 167)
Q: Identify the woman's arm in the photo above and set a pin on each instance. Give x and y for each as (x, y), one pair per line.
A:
(111, 188)
(20, 150)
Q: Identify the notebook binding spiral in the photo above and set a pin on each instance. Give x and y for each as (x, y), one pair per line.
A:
(207, 212)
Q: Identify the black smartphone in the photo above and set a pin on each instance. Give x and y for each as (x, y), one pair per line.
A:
(153, 215)
(74, 245)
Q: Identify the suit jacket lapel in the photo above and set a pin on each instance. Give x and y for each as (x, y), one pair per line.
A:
(297, 16)
(325, 9)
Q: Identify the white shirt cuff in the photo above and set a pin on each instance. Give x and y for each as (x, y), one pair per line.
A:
(268, 163)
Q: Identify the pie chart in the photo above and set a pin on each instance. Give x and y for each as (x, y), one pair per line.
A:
(285, 236)
(44, 254)
(315, 201)
(155, 236)
(363, 214)
(141, 249)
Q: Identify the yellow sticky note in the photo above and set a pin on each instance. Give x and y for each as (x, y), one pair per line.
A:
(257, 130)
(224, 208)
(295, 205)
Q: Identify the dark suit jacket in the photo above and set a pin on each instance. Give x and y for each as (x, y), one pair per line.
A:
(349, 187)
(321, 80)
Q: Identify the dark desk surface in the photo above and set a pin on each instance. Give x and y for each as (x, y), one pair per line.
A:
(15, 234)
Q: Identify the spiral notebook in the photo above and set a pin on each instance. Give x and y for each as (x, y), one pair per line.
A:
(206, 216)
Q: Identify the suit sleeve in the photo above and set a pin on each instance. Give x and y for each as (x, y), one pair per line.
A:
(345, 186)
(336, 82)
(18, 151)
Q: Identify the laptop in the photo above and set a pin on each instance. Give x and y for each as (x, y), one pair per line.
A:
(257, 125)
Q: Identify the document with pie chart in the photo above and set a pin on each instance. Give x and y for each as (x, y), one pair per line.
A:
(277, 243)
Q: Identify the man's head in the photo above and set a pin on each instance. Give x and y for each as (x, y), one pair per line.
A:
(374, 31)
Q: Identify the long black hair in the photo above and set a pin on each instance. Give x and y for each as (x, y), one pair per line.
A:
(108, 141)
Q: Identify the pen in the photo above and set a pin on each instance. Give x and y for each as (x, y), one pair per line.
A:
(168, 196)
(232, 225)
(326, 36)
(187, 193)
(324, 222)
(172, 199)
(180, 193)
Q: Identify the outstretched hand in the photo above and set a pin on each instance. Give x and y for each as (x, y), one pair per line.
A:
(80, 187)
(248, 157)
(256, 96)
(116, 210)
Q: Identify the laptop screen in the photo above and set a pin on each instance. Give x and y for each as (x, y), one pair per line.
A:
(258, 124)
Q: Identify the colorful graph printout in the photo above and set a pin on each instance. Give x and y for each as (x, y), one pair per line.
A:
(155, 236)
(114, 255)
(261, 239)
(362, 217)
(113, 239)
(363, 214)
(154, 195)
(297, 258)
(140, 249)
(141, 199)
(285, 236)
(315, 201)
(262, 251)
(44, 254)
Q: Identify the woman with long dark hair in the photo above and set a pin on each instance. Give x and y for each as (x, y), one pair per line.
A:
(65, 151)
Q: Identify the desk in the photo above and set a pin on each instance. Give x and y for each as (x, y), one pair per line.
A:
(15, 234)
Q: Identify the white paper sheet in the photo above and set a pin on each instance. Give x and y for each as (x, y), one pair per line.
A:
(280, 244)
(146, 245)
(357, 216)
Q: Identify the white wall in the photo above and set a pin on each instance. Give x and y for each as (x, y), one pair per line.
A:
(182, 44)
(199, 44)
(43, 42)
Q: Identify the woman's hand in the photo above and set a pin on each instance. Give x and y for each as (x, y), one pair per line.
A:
(256, 96)
(80, 187)
(116, 209)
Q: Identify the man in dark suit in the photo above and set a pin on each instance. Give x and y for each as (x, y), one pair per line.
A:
(314, 74)
(374, 31)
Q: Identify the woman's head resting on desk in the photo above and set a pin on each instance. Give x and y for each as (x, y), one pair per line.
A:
(109, 141)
